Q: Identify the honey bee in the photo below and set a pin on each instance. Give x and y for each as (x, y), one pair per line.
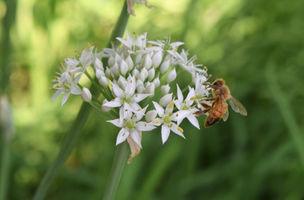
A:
(219, 107)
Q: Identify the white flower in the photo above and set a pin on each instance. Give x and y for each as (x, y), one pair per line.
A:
(126, 95)
(86, 57)
(66, 84)
(130, 127)
(166, 120)
(186, 105)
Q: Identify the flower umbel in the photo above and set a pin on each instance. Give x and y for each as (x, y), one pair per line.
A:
(136, 84)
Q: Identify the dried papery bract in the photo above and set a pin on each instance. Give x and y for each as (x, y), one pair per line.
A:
(131, 2)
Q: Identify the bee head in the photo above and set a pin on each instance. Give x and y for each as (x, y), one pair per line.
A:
(218, 83)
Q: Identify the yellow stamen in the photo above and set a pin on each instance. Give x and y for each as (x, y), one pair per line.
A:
(57, 78)
(180, 129)
(58, 85)
(171, 105)
(70, 73)
(192, 98)
(170, 113)
(156, 121)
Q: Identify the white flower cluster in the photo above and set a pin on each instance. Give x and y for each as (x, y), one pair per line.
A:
(135, 86)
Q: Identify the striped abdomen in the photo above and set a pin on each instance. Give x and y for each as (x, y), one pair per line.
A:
(216, 114)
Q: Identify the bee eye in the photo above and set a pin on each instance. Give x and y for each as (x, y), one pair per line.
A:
(217, 83)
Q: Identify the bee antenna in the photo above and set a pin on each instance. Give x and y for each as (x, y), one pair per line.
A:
(209, 77)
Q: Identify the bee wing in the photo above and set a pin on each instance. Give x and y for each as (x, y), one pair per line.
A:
(225, 116)
(237, 106)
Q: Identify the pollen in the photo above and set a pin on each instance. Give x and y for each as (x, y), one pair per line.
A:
(56, 78)
(156, 121)
(170, 125)
(180, 129)
(171, 105)
(58, 85)
(70, 73)
(192, 98)
(170, 113)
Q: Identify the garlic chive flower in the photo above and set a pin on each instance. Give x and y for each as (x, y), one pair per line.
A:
(135, 84)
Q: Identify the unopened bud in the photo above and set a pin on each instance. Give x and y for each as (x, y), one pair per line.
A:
(157, 58)
(98, 64)
(129, 61)
(151, 74)
(165, 89)
(123, 67)
(150, 115)
(164, 66)
(165, 100)
(156, 82)
(148, 62)
(86, 94)
(150, 89)
(171, 76)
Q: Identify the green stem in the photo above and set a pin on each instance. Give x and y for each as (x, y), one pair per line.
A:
(73, 133)
(116, 171)
(6, 125)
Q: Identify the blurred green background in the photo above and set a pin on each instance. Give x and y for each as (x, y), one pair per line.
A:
(257, 47)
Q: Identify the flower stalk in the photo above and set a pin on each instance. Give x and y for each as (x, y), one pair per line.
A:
(116, 171)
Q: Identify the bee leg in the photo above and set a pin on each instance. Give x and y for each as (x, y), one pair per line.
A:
(200, 112)
(211, 99)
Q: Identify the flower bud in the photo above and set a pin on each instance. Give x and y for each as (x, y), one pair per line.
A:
(137, 58)
(105, 108)
(111, 61)
(129, 61)
(122, 82)
(156, 82)
(86, 94)
(135, 73)
(148, 62)
(123, 67)
(165, 66)
(140, 89)
(98, 64)
(99, 73)
(165, 89)
(171, 76)
(115, 69)
(157, 58)
(103, 81)
(150, 89)
(151, 74)
(108, 73)
(150, 115)
(117, 58)
(165, 100)
(143, 74)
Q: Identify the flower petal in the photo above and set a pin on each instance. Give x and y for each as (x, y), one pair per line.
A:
(159, 109)
(136, 137)
(165, 132)
(193, 120)
(122, 136)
